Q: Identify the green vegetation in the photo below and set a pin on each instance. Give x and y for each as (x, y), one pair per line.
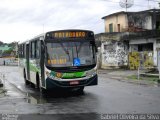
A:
(8, 51)
(147, 78)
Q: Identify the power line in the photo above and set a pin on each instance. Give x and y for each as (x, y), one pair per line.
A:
(118, 3)
(153, 1)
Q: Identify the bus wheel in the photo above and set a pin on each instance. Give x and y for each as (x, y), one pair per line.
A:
(25, 79)
(80, 90)
(42, 90)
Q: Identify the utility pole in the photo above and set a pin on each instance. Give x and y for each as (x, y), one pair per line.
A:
(149, 6)
(43, 28)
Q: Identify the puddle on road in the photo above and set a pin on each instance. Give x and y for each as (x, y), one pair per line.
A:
(38, 98)
(35, 99)
(12, 93)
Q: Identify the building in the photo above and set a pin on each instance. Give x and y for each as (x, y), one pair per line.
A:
(113, 50)
(130, 39)
(132, 21)
(143, 48)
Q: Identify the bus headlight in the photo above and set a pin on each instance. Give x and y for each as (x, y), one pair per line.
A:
(47, 73)
(54, 76)
(91, 72)
(58, 75)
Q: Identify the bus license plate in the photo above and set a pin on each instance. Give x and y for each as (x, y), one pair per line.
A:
(74, 82)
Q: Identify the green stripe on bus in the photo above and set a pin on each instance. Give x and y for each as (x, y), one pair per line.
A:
(73, 75)
(34, 68)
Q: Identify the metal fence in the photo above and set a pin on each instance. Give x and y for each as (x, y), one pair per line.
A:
(8, 61)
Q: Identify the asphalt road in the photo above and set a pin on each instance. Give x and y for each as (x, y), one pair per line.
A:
(109, 96)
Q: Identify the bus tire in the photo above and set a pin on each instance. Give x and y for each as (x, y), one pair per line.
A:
(80, 90)
(25, 78)
(43, 91)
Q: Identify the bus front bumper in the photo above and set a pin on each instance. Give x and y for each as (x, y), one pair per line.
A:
(50, 83)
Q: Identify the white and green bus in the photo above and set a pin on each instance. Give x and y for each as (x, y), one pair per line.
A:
(59, 59)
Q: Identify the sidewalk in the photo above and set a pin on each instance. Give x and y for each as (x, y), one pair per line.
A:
(118, 72)
(123, 75)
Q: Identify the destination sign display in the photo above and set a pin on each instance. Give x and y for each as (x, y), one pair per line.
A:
(76, 34)
(57, 61)
(65, 34)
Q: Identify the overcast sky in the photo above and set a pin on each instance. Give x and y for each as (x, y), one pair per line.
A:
(23, 19)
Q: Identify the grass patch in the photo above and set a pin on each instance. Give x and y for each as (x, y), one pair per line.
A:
(151, 79)
(133, 77)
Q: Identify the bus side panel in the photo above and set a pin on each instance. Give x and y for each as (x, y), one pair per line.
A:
(22, 52)
(21, 66)
(32, 67)
(35, 70)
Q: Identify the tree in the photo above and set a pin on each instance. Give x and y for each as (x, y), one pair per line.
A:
(8, 52)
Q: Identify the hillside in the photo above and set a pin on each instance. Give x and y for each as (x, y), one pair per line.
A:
(8, 49)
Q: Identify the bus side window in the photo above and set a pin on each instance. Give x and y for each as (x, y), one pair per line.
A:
(19, 51)
(33, 49)
(37, 49)
(23, 51)
(30, 50)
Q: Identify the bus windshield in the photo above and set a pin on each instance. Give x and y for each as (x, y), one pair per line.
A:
(69, 54)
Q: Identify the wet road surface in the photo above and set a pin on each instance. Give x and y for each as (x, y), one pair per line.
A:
(110, 96)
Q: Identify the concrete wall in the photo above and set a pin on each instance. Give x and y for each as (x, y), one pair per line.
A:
(141, 41)
(155, 57)
(113, 54)
(143, 59)
(148, 23)
(117, 19)
(9, 61)
(133, 47)
(129, 22)
(110, 47)
(140, 20)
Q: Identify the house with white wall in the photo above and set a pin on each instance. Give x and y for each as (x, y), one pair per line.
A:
(132, 21)
(132, 34)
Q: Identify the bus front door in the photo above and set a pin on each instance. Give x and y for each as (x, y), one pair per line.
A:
(42, 57)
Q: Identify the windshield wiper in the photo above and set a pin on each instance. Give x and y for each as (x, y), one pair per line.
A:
(76, 50)
(66, 51)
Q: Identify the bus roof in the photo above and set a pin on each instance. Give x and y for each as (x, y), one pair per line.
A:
(70, 30)
(27, 41)
(43, 34)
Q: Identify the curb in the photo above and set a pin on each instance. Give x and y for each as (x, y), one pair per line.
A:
(15, 86)
(2, 91)
(1, 84)
(138, 82)
(123, 78)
